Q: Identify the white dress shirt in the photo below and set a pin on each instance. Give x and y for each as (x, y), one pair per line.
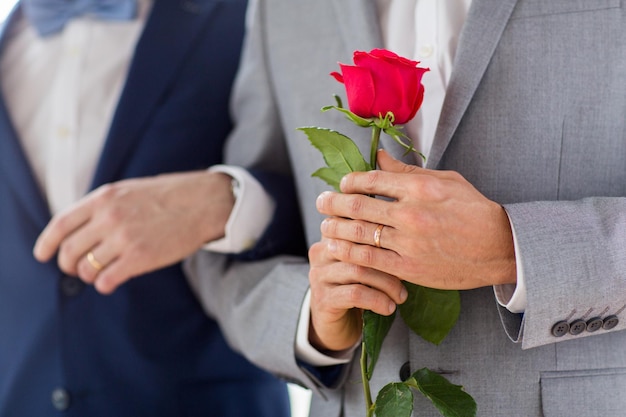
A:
(436, 26)
(61, 92)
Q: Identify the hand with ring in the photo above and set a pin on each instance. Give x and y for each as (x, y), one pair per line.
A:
(125, 229)
(433, 229)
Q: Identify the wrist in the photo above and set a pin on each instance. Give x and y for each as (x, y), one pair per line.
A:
(219, 194)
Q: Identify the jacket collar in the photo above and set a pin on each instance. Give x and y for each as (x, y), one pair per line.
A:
(14, 167)
(169, 33)
(480, 36)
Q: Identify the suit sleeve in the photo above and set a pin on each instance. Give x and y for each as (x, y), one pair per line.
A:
(258, 302)
(574, 263)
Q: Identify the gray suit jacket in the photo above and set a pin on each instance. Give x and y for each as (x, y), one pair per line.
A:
(535, 118)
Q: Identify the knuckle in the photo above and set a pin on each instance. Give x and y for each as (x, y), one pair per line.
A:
(105, 192)
(365, 255)
(355, 295)
(455, 176)
(359, 231)
(62, 222)
(356, 271)
(355, 204)
(371, 179)
(65, 264)
(67, 250)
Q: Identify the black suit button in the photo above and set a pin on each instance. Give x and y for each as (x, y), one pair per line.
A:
(594, 324)
(71, 286)
(610, 322)
(577, 327)
(561, 328)
(405, 371)
(60, 399)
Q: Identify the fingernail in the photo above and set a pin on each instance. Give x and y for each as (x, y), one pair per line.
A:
(320, 199)
(324, 226)
(332, 245)
(392, 307)
(343, 181)
(404, 294)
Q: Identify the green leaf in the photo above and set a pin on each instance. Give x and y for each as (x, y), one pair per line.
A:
(430, 313)
(375, 328)
(449, 399)
(394, 400)
(339, 151)
(331, 177)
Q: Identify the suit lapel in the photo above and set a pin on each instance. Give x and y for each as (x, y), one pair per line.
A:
(358, 23)
(14, 166)
(169, 33)
(485, 23)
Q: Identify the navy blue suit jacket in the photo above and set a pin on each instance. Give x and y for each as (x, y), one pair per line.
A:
(148, 349)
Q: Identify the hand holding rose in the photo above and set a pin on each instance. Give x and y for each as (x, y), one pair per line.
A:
(355, 286)
(340, 291)
(440, 232)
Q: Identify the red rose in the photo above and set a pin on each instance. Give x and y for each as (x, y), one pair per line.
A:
(380, 82)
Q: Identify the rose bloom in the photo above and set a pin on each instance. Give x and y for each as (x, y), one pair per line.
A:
(380, 82)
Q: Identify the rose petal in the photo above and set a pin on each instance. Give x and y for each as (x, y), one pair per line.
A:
(360, 89)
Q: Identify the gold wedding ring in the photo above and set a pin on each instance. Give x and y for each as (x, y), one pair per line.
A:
(94, 262)
(377, 234)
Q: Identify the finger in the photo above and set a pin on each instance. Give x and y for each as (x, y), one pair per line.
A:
(57, 230)
(89, 267)
(366, 256)
(387, 162)
(75, 246)
(357, 231)
(363, 297)
(402, 181)
(112, 277)
(339, 274)
(335, 300)
(126, 266)
(353, 206)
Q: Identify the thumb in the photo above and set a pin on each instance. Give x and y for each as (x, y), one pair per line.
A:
(388, 163)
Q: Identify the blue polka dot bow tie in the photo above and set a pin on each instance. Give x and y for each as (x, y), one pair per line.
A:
(49, 16)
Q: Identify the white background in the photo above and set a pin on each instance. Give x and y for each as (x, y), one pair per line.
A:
(299, 395)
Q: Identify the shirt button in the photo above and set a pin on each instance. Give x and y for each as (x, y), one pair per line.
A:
(405, 371)
(73, 51)
(71, 286)
(63, 132)
(425, 50)
(60, 399)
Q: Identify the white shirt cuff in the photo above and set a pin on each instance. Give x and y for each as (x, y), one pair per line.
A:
(513, 296)
(252, 212)
(306, 352)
